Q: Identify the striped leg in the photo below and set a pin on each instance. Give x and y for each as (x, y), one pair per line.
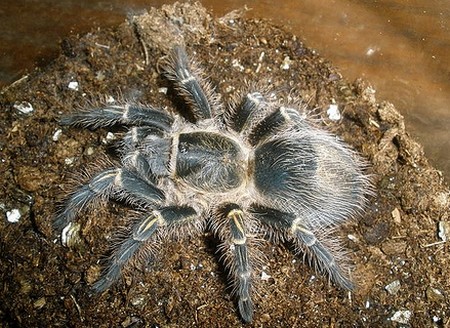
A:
(236, 257)
(121, 182)
(165, 218)
(120, 115)
(298, 230)
(240, 116)
(189, 83)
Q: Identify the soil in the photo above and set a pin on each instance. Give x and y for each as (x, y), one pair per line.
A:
(400, 238)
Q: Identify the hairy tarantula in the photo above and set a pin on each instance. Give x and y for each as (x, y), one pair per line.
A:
(254, 170)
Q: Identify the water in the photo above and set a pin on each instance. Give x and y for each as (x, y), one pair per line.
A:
(401, 47)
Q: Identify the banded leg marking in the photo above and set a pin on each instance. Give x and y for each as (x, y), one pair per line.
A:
(141, 232)
(249, 106)
(242, 269)
(179, 71)
(104, 185)
(325, 260)
(120, 115)
(272, 123)
(99, 186)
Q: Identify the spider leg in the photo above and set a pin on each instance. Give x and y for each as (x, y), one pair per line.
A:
(120, 115)
(272, 123)
(298, 230)
(125, 182)
(237, 260)
(239, 116)
(187, 80)
(164, 218)
(149, 157)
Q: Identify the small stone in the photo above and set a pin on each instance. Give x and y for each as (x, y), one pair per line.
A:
(434, 294)
(109, 138)
(286, 64)
(89, 151)
(396, 216)
(265, 276)
(265, 317)
(333, 112)
(138, 301)
(69, 160)
(163, 90)
(13, 216)
(443, 230)
(23, 107)
(73, 85)
(393, 287)
(56, 135)
(402, 316)
(393, 247)
(70, 235)
(40, 303)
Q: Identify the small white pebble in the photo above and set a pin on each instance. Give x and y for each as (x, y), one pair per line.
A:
(109, 137)
(192, 267)
(56, 135)
(285, 65)
(393, 287)
(236, 63)
(13, 216)
(89, 151)
(265, 276)
(370, 51)
(261, 56)
(110, 100)
(333, 112)
(367, 305)
(162, 90)
(69, 160)
(443, 230)
(73, 85)
(402, 316)
(70, 234)
(24, 107)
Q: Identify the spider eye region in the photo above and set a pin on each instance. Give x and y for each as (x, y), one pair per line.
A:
(284, 166)
(210, 161)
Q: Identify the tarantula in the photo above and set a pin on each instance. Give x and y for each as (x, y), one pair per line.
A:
(254, 170)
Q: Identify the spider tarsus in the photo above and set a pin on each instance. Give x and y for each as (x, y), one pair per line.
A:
(241, 269)
(245, 307)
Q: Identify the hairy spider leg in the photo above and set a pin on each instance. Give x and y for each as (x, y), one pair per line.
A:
(296, 228)
(187, 79)
(236, 257)
(274, 122)
(149, 156)
(122, 182)
(120, 115)
(239, 117)
(163, 218)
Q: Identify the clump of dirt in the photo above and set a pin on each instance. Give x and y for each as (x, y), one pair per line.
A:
(398, 246)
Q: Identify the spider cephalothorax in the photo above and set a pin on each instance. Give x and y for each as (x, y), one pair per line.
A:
(255, 169)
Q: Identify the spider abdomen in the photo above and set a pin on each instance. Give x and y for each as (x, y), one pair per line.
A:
(210, 161)
(284, 168)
